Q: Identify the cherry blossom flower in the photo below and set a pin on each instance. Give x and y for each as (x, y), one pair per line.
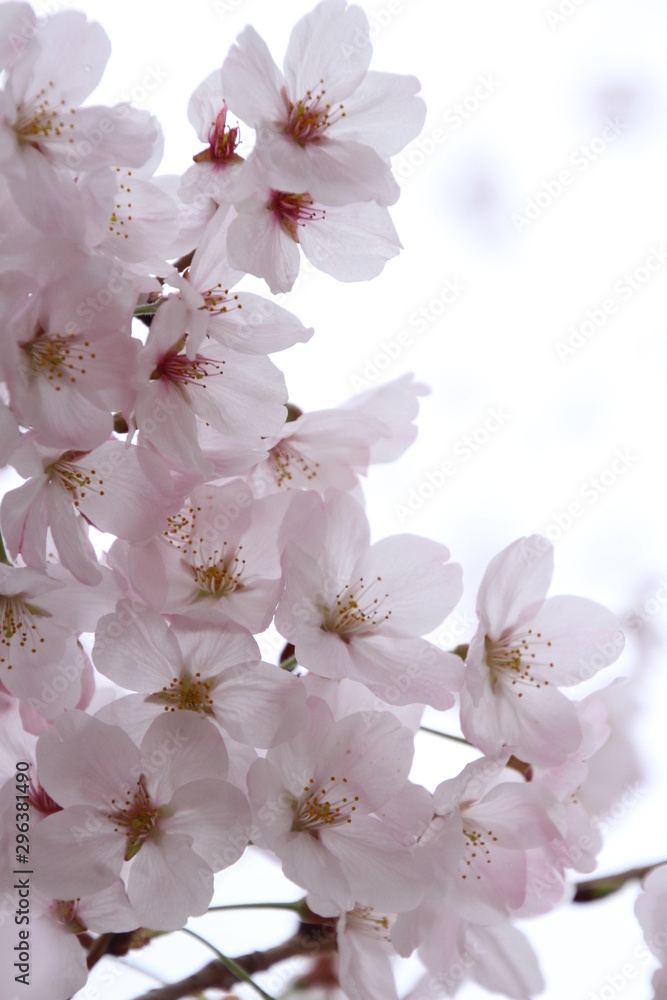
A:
(68, 355)
(356, 610)
(140, 219)
(323, 126)
(165, 807)
(40, 660)
(218, 559)
(478, 842)
(350, 242)
(615, 771)
(122, 489)
(316, 801)
(363, 943)
(235, 510)
(330, 448)
(45, 134)
(247, 323)
(526, 646)
(215, 672)
(581, 840)
(58, 973)
(364, 955)
(651, 912)
(215, 170)
(234, 393)
(497, 956)
(56, 961)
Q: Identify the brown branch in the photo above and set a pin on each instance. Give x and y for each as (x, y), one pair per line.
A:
(99, 948)
(310, 940)
(598, 888)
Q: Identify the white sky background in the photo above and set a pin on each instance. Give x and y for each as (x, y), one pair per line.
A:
(555, 86)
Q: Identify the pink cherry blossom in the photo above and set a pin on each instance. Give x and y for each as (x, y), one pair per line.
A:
(122, 489)
(41, 662)
(218, 559)
(350, 242)
(45, 134)
(497, 956)
(582, 840)
(60, 971)
(56, 960)
(140, 219)
(242, 321)
(165, 807)
(234, 393)
(356, 610)
(651, 912)
(67, 360)
(314, 121)
(478, 842)
(316, 802)
(215, 672)
(327, 449)
(215, 170)
(526, 647)
(364, 954)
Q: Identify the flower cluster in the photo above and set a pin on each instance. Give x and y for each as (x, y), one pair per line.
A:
(139, 400)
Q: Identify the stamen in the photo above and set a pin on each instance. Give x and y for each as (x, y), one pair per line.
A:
(515, 657)
(222, 141)
(283, 456)
(322, 805)
(179, 369)
(294, 210)
(186, 692)
(74, 477)
(137, 817)
(44, 117)
(59, 357)
(219, 573)
(19, 623)
(218, 300)
(358, 608)
(478, 851)
(310, 117)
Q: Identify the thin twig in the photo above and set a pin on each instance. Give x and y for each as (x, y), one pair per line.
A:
(309, 941)
(447, 736)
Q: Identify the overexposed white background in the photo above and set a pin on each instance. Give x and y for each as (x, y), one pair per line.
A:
(558, 323)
